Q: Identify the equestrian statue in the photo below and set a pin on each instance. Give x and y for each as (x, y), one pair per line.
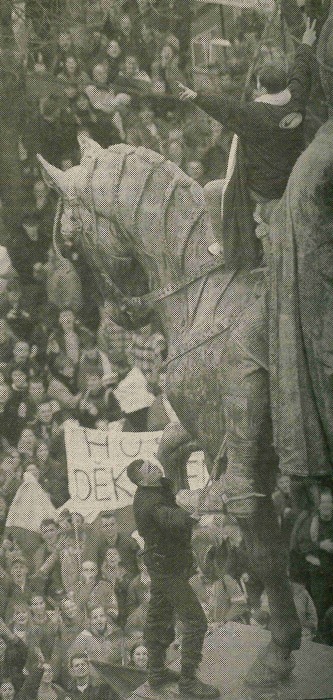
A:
(144, 229)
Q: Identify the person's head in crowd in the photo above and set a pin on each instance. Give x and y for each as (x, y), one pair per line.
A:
(195, 170)
(45, 413)
(130, 66)
(42, 455)
(78, 522)
(14, 292)
(49, 531)
(50, 108)
(144, 473)
(7, 469)
(158, 86)
(37, 608)
(65, 522)
(111, 564)
(100, 76)
(284, 484)
(113, 49)
(71, 66)
(19, 572)
(146, 114)
(14, 458)
(67, 320)
(30, 225)
(4, 396)
(36, 390)
(47, 676)
(272, 77)
(79, 669)
(168, 55)
(66, 163)
(175, 152)
(19, 379)
(89, 572)
(69, 609)
(82, 104)
(326, 505)
(7, 690)
(5, 332)
(64, 368)
(109, 527)
(27, 442)
(20, 615)
(173, 41)
(64, 41)
(125, 25)
(139, 656)
(94, 382)
(40, 191)
(97, 620)
(21, 352)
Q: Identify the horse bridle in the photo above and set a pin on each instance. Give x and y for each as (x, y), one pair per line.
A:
(148, 300)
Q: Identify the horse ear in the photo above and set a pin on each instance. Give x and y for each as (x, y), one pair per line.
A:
(54, 177)
(88, 146)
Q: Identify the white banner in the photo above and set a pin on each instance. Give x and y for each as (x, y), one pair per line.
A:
(97, 461)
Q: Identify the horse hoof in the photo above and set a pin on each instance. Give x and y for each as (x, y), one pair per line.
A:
(270, 667)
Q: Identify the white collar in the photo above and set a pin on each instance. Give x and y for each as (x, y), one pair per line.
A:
(279, 99)
(82, 688)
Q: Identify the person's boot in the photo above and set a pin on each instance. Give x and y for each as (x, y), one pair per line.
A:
(272, 665)
(158, 675)
(192, 687)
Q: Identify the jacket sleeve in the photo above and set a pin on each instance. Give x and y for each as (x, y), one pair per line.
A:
(31, 684)
(232, 113)
(172, 518)
(300, 78)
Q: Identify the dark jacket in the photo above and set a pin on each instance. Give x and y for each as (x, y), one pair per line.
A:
(165, 528)
(270, 147)
(100, 692)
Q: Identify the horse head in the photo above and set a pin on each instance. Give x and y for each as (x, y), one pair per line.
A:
(118, 275)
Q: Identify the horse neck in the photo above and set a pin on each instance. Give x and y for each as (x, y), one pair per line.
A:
(160, 212)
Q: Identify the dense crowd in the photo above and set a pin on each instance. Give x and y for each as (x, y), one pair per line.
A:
(74, 592)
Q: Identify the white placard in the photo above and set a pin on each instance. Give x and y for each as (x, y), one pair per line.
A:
(97, 461)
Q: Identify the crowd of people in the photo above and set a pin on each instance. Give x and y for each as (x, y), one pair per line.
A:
(77, 593)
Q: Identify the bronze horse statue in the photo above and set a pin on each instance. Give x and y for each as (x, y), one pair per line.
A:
(128, 204)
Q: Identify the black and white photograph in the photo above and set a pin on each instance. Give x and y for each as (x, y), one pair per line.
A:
(166, 349)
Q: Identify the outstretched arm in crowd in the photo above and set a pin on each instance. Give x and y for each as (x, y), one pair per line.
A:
(299, 82)
(234, 113)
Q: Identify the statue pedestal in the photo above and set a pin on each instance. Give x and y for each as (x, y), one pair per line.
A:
(228, 655)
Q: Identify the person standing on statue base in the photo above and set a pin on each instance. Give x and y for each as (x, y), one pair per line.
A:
(166, 530)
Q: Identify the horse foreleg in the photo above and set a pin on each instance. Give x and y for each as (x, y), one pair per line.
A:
(251, 467)
(268, 557)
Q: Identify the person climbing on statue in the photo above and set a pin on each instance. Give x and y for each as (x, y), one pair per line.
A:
(166, 529)
(269, 138)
